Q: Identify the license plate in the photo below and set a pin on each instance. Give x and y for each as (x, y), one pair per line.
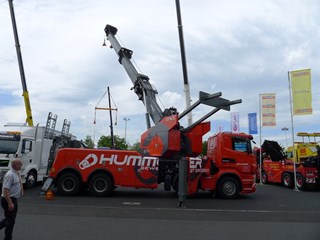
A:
(310, 180)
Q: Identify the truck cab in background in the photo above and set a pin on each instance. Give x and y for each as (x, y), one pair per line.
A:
(30, 145)
(305, 149)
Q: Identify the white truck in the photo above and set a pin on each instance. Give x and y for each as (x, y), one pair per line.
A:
(34, 146)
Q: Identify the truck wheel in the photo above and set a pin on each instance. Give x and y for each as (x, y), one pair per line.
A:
(31, 179)
(101, 185)
(264, 177)
(228, 188)
(287, 180)
(301, 182)
(68, 184)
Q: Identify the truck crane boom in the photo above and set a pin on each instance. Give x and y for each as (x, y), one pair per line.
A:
(25, 94)
(167, 139)
(141, 85)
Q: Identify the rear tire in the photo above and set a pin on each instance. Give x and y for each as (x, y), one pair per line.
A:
(228, 188)
(301, 182)
(68, 184)
(287, 180)
(101, 185)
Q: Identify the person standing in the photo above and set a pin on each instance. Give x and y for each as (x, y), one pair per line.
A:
(11, 190)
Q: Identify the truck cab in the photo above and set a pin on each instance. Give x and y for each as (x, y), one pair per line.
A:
(29, 145)
(232, 164)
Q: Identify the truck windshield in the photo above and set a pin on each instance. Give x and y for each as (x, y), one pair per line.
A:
(9, 143)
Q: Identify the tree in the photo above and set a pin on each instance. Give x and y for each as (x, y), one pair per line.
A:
(120, 143)
(204, 148)
(88, 141)
(135, 146)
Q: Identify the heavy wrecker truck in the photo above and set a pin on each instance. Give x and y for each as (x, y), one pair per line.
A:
(228, 168)
(276, 168)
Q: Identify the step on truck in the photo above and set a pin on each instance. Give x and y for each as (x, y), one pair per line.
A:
(163, 148)
(31, 144)
(276, 168)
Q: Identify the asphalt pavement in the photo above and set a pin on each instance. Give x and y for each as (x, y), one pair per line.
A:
(272, 212)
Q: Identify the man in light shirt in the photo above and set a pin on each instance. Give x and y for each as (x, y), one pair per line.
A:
(11, 190)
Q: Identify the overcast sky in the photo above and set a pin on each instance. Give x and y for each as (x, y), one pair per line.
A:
(238, 47)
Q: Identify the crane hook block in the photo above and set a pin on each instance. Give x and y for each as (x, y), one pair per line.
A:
(110, 29)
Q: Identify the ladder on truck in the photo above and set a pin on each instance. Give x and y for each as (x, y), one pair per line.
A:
(59, 141)
(50, 126)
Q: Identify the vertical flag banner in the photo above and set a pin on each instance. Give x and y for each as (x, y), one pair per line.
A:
(268, 109)
(301, 92)
(220, 128)
(235, 126)
(252, 118)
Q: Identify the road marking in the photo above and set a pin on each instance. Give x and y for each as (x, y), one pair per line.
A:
(131, 203)
(176, 209)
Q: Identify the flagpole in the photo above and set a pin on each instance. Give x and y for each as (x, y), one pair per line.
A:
(292, 132)
(260, 139)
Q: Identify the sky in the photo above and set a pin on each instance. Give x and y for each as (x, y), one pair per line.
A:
(241, 48)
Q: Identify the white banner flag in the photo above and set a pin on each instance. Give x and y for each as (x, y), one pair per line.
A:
(235, 126)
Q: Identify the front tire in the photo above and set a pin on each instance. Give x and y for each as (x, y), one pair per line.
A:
(101, 185)
(31, 179)
(68, 184)
(228, 188)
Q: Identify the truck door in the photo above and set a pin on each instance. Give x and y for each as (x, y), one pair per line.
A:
(27, 153)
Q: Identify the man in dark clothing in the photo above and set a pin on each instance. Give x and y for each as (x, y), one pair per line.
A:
(11, 191)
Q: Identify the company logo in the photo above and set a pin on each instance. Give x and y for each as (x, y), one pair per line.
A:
(195, 166)
(88, 161)
(145, 163)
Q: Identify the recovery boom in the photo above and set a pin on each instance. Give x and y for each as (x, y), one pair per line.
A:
(141, 85)
(167, 139)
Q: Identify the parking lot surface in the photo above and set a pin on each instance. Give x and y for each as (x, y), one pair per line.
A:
(273, 212)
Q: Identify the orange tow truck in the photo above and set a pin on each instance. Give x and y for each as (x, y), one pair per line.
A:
(276, 168)
(166, 150)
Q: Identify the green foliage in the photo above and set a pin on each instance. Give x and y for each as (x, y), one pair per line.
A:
(135, 146)
(204, 148)
(89, 142)
(120, 143)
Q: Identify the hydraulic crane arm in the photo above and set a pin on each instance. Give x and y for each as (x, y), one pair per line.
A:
(141, 85)
(167, 139)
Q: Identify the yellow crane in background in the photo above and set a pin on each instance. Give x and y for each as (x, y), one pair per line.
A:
(25, 93)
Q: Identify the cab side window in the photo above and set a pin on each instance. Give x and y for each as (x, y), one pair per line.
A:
(26, 146)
